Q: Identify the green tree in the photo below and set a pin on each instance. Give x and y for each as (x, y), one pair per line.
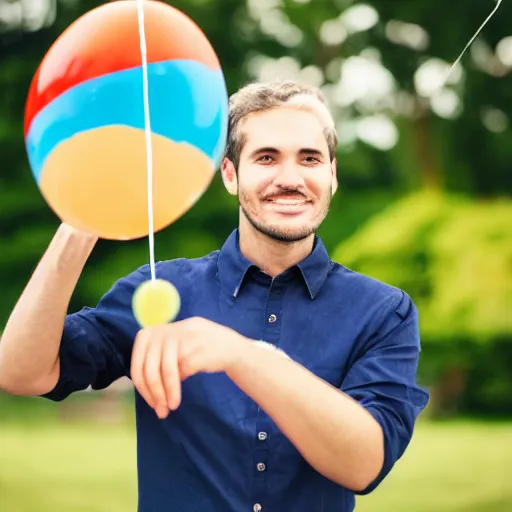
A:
(378, 63)
(454, 257)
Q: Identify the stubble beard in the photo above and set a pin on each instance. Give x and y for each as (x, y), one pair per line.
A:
(281, 234)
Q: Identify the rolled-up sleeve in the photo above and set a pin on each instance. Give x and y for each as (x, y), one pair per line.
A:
(97, 342)
(383, 380)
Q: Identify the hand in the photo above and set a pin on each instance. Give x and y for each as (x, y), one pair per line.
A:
(163, 356)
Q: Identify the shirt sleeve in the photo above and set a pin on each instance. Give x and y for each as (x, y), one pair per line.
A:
(383, 380)
(97, 342)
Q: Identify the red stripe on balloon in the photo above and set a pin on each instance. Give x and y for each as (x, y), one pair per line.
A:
(106, 40)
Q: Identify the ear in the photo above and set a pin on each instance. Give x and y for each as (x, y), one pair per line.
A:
(334, 171)
(229, 176)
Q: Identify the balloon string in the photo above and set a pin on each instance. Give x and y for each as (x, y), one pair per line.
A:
(147, 131)
(498, 3)
(147, 122)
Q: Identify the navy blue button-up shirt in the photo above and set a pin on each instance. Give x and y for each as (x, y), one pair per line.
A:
(219, 452)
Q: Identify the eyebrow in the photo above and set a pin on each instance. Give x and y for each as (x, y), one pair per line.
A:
(275, 151)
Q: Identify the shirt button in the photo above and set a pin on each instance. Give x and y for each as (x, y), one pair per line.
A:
(272, 318)
(257, 507)
(260, 466)
(262, 436)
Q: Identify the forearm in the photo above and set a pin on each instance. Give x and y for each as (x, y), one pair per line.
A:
(336, 435)
(30, 343)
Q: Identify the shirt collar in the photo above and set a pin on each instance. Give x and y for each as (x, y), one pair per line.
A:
(233, 266)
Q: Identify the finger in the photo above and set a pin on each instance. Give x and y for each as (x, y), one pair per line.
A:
(153, 376)
(170, 372)
(137, 364)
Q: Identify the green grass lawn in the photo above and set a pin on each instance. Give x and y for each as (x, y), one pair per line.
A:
(452, 467)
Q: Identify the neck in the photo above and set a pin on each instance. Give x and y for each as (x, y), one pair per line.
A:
(272, 256)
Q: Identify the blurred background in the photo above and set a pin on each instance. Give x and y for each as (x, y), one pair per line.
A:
(424, 204)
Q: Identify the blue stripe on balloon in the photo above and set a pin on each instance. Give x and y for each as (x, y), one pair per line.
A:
(188, 103)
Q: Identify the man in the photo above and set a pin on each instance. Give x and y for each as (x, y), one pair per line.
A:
(225, 424)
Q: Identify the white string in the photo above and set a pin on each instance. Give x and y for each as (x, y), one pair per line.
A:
(498, 3)
(147, 122)
(147, 130)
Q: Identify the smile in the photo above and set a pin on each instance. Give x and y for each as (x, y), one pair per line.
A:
(291, 206)
(288, 202)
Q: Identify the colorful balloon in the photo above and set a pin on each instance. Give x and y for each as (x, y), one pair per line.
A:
(84, 119)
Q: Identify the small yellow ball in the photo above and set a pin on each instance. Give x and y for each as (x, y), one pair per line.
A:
(155, 302)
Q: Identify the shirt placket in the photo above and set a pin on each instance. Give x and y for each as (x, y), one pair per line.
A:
(262, 472)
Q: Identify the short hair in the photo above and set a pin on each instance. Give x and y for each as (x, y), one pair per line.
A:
(258, 97)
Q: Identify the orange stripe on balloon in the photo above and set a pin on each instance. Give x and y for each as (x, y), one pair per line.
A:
(97, 181)
(106, 40)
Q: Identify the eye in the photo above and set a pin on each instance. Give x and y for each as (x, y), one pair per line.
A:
(265, 159)
(311, 160)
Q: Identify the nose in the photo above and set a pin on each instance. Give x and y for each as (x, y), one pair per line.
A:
(289, 176)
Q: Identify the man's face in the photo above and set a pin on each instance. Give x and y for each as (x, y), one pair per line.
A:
(285, 175)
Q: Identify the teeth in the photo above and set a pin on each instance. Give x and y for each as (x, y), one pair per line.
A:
(288, 202)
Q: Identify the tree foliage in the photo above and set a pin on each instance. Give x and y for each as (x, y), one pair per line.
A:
(451, 254)
(443, 151)
(454, 257)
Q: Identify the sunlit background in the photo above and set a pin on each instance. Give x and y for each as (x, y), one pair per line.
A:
(425, 171)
